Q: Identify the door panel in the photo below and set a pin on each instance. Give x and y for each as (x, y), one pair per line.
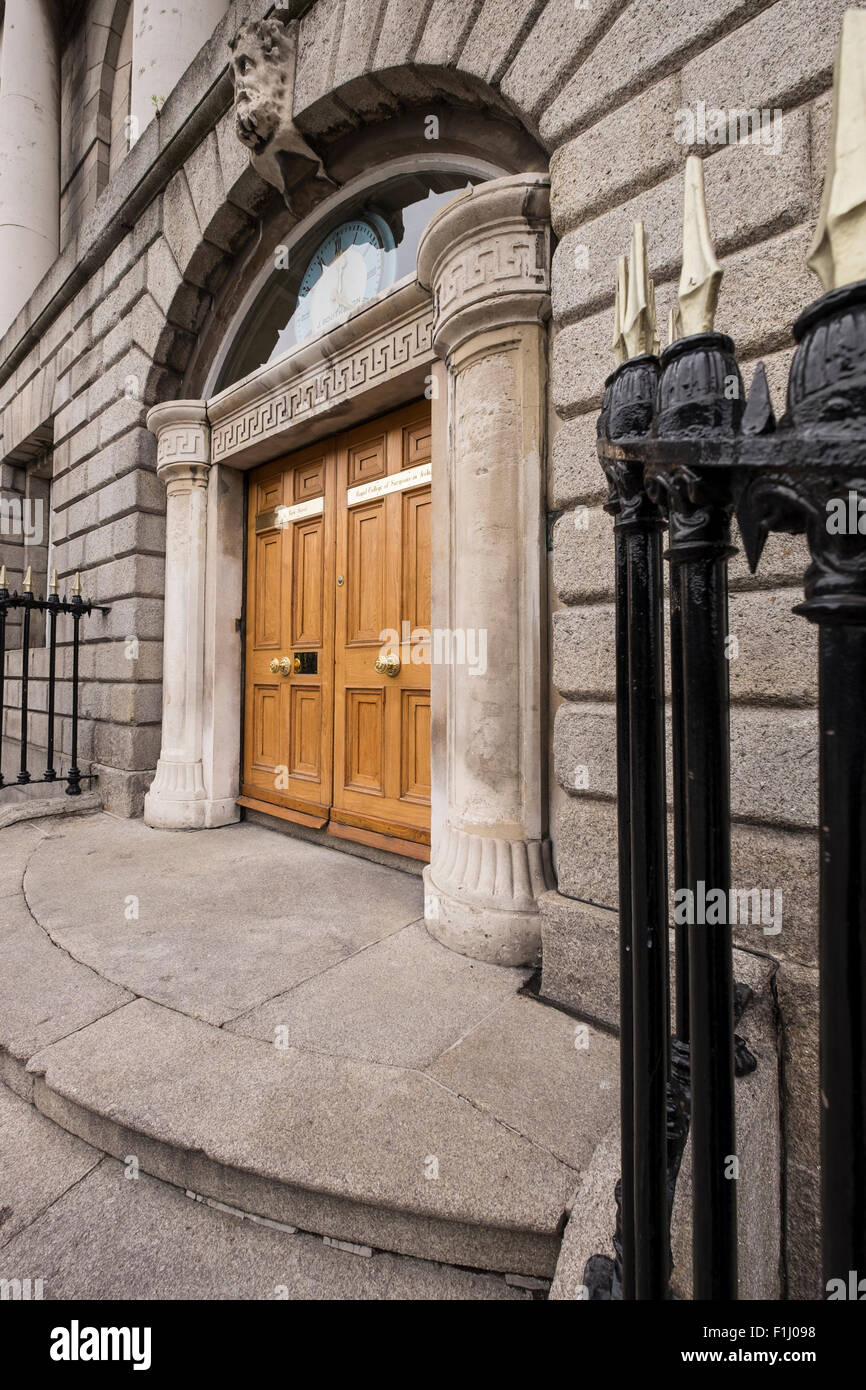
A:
(308, 598)
(289, 717)
(365, 576)
(333, 739)
(382, 722)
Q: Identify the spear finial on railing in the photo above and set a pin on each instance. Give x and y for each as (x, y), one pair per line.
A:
(2, 576)
(701, 275)
(76, 588)
(618, 344)
(656, 345)
(838, 251)
(53, 589)
(637, 328)
(27, 586)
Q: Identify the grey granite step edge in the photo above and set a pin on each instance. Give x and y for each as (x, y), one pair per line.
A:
(40, 808)
(505, 1250)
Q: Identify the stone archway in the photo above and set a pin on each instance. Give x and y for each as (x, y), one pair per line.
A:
(481, 310)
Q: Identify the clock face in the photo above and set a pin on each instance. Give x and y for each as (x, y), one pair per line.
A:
(351, 265)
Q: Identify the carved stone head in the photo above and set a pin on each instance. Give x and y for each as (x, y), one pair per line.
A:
(263, 60)
(263, 64)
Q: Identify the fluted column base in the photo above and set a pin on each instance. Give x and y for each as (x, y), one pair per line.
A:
(481, 896)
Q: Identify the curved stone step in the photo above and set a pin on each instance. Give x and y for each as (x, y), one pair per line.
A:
(340, 1147)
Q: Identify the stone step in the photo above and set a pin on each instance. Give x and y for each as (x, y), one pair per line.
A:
(42, 800)
(375, 1155)
(77, 1224)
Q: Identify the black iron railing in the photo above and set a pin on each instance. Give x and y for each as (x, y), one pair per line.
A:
(53, 606)
(684, 453)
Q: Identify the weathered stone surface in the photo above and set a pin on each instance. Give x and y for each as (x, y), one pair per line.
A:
(318, 38)
(545, 1076)
(285, 1123)
(584, 746)
(583, 554)
(582, 360)
(361, 21)
(401, 1002)
(774, 773)
(629, 149)
(109, 1237)
(752, 191)
(122, 793)
(583, 651)
(586, 853)
(774, 759)
(44, 993)
(244, 187)
(788, 860)
(233, 952)
(16, 846)
(39, 1163)
(495, 35)
(580, 957)
(401, 27)
(445, 31)
(783, 56)
(576, 472)
(798, 1003)
(758, 1151)
(821, 125)
(645, 43)
(561, 37)
(113, 306)
(591, 1222)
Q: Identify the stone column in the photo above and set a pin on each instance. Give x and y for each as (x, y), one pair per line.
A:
(178, 799)
(165, 39)
(486, 258)
(29, 152)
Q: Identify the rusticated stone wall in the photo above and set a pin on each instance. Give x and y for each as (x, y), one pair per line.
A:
(148, 258)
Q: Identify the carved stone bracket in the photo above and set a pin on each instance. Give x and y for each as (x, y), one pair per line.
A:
(264, 57)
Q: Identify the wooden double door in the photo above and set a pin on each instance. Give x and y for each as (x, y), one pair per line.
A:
(337, 683)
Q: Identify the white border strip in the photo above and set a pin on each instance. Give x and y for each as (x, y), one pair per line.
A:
(398, 482)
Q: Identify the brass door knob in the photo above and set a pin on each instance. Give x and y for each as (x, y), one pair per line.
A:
(283, 665)
(388, 665)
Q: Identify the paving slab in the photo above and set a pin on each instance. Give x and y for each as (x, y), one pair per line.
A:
(115, 1237)
(549, 1077)
(374, 1154)
(401, 1002)
(17, 843)
(44, 993)
(212, 924)
(38, 1163)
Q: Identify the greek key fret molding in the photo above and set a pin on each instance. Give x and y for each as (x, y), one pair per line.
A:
(485, 257)
(183, 438)
(298, 388)
(188, 445)
(513, 261)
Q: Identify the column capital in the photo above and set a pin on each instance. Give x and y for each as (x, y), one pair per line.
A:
(486, 259)
(182, 430)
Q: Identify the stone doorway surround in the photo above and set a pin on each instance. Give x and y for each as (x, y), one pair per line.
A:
(471, 331)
